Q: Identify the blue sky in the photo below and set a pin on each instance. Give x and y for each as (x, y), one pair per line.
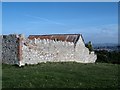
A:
(97, 22)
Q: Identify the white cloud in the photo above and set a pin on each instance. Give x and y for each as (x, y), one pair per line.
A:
(43, 20)
(99, 34)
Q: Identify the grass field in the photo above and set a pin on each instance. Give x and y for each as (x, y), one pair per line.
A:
(61, 75)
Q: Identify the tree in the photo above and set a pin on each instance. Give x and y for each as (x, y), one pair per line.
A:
(89, 46)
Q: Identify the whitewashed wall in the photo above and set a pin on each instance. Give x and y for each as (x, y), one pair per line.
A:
(55, 51)
(82, 54)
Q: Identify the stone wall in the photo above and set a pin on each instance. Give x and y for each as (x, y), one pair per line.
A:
(36, 51)
(0, 49)
(82, 53)
(19, 50)
(10, 49)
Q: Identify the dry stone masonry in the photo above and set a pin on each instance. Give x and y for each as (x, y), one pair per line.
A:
(10, 49)
(16, 49)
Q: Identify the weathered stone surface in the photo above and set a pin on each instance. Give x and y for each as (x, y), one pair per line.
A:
(20, 50)
(10, 49)
(0, 49)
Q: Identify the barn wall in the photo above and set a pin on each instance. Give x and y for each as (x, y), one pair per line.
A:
(82, 54)
(37, 51)
(47, 50)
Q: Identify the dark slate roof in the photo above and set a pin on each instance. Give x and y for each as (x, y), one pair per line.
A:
(58, 37)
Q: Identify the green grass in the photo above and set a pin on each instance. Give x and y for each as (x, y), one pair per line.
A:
(61, 75)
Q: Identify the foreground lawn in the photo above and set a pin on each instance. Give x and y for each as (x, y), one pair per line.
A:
(61, 75)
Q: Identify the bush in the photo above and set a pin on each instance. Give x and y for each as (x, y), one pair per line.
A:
(108, 57)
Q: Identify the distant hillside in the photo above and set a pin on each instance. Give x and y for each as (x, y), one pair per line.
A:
(107, 46)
